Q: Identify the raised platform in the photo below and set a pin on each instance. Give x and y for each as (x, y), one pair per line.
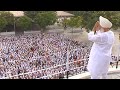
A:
(113, 74)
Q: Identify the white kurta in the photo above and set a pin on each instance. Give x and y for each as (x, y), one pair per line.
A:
(100, 55)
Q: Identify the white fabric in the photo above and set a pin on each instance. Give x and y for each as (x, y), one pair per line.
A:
(100, 55)
(105, 23)
(103, 76)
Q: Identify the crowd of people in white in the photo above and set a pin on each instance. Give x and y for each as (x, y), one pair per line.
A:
(36, 56)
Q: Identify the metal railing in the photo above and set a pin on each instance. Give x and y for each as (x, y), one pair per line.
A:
(82, 68)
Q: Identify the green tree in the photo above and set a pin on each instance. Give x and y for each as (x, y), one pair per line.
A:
(24, 23)
(45, 18)
(90, 17)
(75, 22)
(113, 16)
(87, 18)
(3, 23)
(32, 14)
(9, 18)
(116, 21)
(65, 23)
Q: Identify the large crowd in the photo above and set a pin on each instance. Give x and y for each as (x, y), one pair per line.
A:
(41, 56)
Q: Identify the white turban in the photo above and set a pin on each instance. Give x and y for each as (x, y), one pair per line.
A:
(105, 23)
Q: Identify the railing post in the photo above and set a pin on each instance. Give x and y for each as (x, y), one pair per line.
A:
(67, 63)
(14, 24)
(117, 65)
(118, 56)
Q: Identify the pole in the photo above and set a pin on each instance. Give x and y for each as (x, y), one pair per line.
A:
(67, 62)
(14, 23)
(118, 56)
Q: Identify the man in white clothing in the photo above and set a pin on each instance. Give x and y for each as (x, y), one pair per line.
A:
(100, 55)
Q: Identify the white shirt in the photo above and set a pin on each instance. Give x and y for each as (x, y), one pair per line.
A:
(100, 55)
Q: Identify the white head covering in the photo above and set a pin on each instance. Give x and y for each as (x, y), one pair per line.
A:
(105, 23)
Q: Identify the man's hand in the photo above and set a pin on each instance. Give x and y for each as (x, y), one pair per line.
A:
(95, 28)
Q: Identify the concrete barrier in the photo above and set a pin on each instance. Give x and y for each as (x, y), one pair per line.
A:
(87, 74)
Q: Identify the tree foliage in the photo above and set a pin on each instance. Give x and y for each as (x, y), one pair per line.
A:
(73, 22)
(3, 23)
(90, 17)
(45, 18)
(24, 22)
(31, 14)
(64, 23)
(8, 19)
(8, 16)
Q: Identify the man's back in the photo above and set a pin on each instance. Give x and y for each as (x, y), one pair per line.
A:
(105, 46)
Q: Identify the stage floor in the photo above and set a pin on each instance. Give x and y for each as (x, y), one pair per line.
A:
(113, 74)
